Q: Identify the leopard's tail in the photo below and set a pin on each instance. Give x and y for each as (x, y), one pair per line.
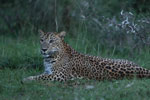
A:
(140, 72)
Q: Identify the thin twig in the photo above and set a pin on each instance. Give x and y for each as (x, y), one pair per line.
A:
(56, 22)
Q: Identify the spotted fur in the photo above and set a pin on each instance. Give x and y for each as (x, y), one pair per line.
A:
(63, 63)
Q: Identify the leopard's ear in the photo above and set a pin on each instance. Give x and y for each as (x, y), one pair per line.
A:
(41, 32)
(62, 34)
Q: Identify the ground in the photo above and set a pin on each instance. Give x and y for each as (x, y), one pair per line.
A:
(17, 63)
(12, 89)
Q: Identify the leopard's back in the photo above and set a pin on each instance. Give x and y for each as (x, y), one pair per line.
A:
(103, 68)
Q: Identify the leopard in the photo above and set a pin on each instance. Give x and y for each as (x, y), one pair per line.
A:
(63, 63)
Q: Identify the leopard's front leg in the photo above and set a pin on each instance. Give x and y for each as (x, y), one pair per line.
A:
(56, 76)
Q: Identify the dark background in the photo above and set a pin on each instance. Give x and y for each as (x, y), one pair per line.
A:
(29, 15)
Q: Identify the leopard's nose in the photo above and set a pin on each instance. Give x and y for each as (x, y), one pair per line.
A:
(44, 50)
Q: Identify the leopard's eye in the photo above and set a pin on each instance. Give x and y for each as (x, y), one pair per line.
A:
(41, 40)
(51, 41)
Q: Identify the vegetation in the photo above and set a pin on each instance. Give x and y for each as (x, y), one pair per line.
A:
(113, 29)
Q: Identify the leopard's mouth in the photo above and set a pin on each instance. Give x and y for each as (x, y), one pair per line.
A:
(46, 56)
(51, 54)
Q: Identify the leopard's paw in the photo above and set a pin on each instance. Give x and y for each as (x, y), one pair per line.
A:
(28, 79)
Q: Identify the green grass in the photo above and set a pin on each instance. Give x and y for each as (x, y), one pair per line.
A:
(12, 89)
(20, 57)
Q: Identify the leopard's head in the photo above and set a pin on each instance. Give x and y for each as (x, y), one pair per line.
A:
(51, 43)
